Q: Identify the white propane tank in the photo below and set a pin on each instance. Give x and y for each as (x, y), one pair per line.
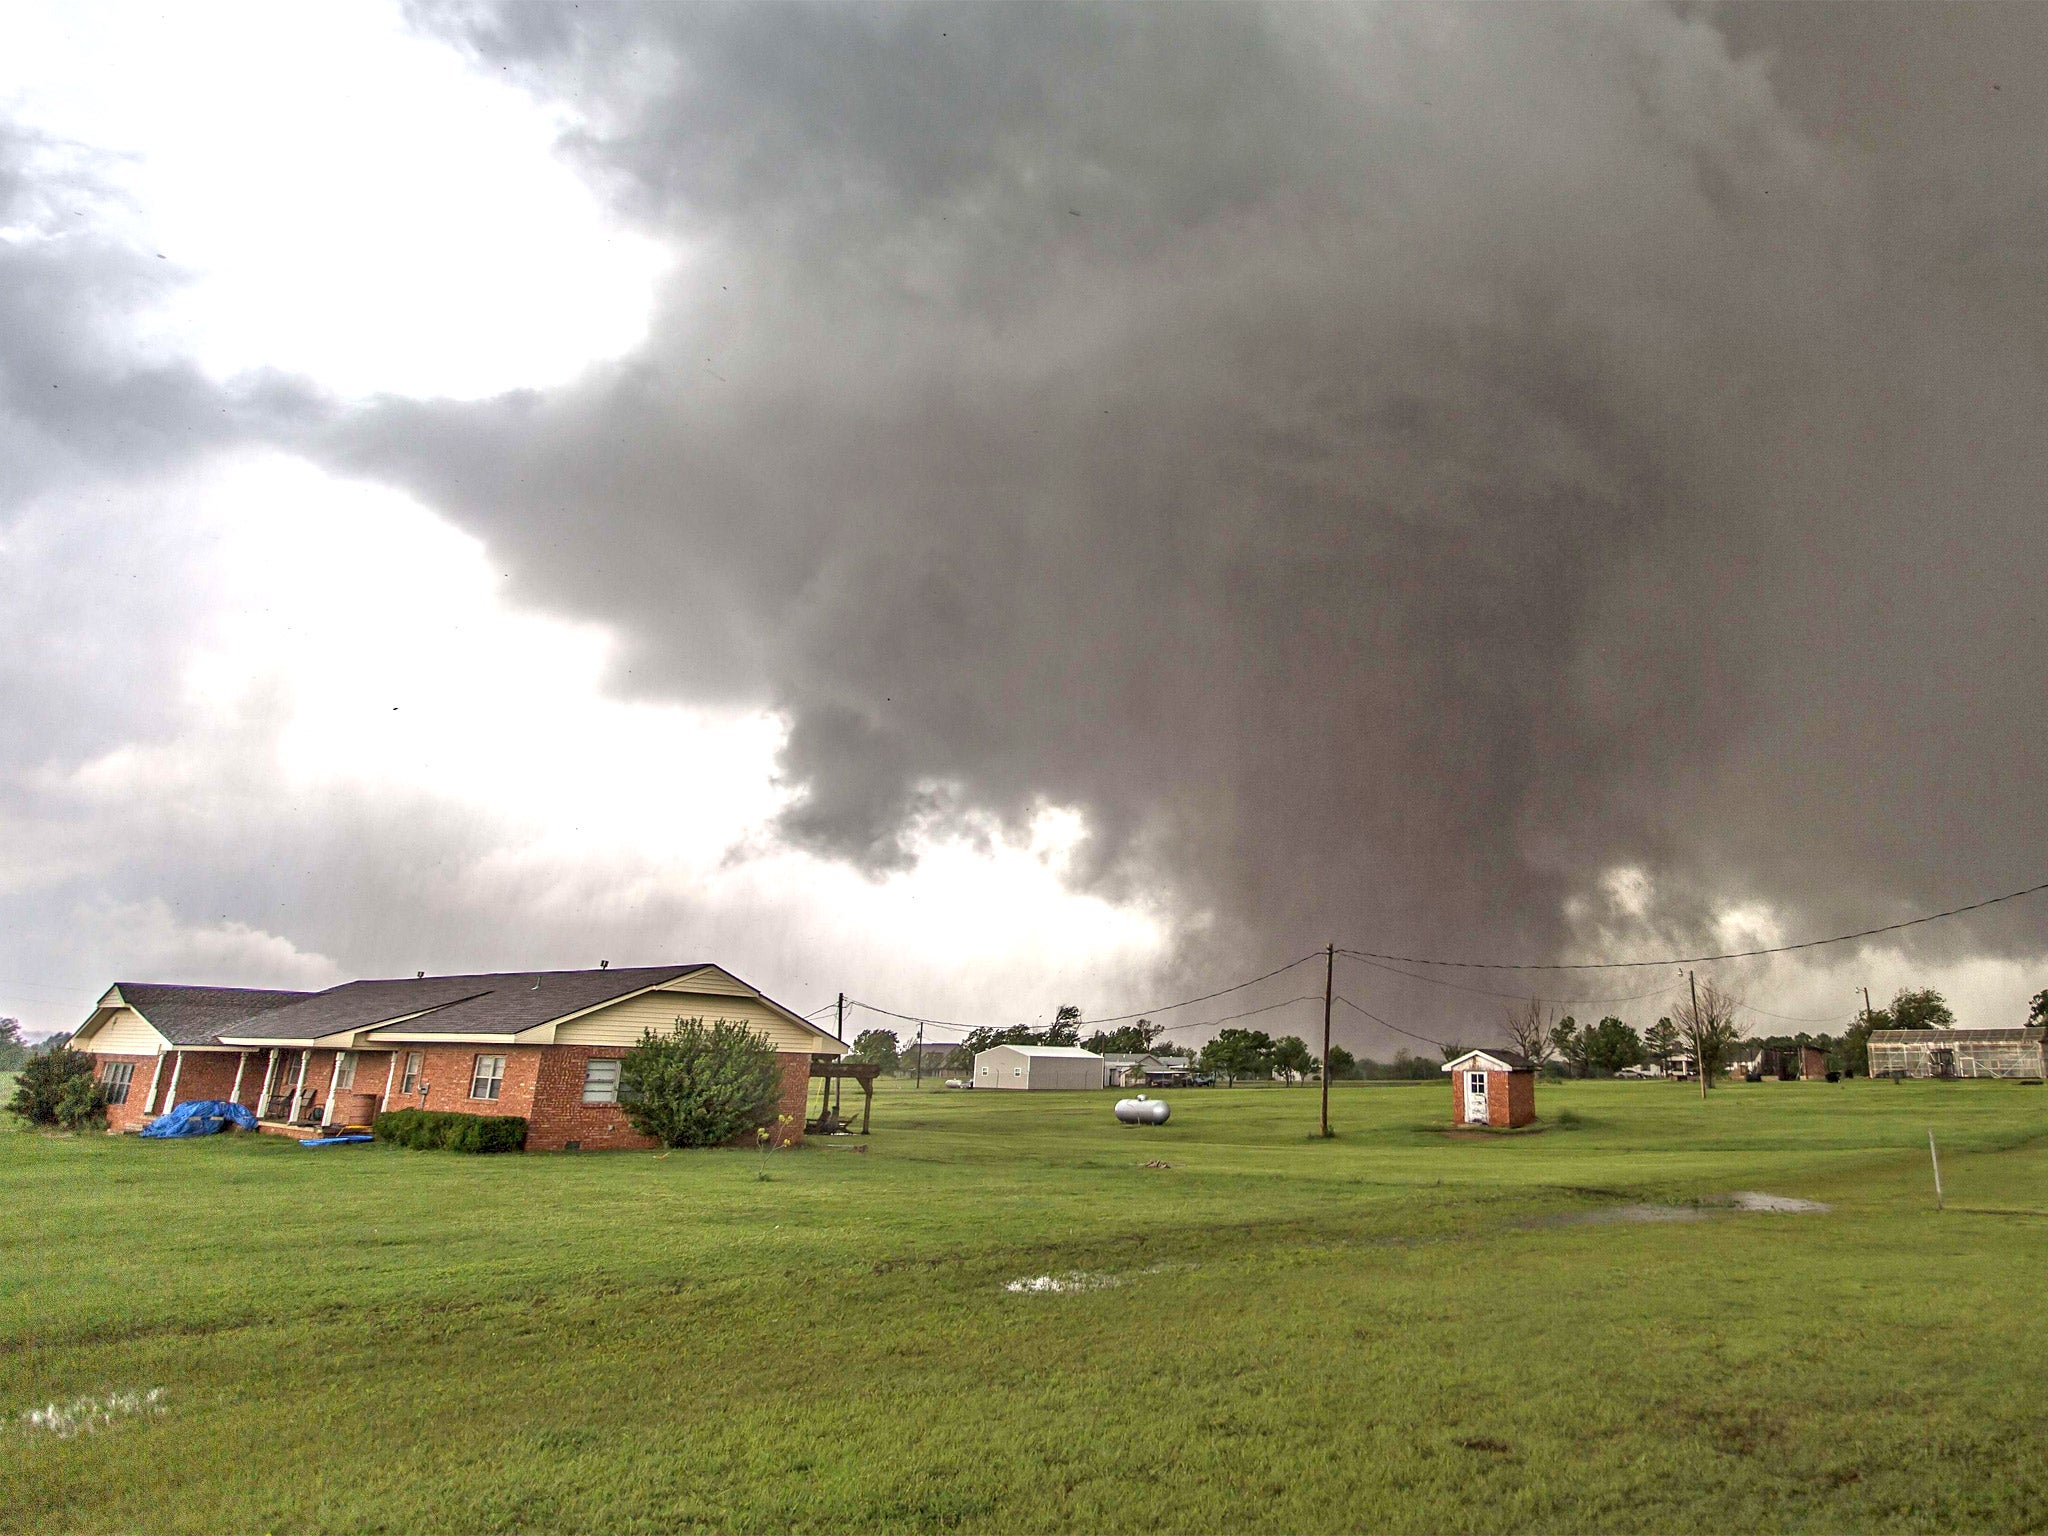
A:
(1142, 1111)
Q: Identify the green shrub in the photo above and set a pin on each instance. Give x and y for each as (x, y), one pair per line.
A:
(699, 1085)
(56, 1088)
(441, 1130)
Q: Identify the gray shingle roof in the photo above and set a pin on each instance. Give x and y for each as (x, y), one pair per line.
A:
(497, 1004)
(197, 1015)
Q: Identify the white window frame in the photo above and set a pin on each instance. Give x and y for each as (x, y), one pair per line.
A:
(1475, 1084)
(409, 1074)
(117, 1091)
(479, 1077)
(606, 1092)
(344, 1071)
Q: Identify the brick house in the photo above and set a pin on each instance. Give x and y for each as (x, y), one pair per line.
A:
(1492, 1088)
(543, 1045)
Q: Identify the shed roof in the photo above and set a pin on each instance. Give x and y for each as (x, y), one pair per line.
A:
(1063, 1052)
(1497, 1060)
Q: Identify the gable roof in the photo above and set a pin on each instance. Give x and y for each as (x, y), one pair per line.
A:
(197, 1015)
(495, 1003)
(1061, 1052)
(1499, 1060)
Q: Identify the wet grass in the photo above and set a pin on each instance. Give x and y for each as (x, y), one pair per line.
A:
(1391, 1330)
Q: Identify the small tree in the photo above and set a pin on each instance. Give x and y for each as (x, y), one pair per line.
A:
(57, 1088)
(1126, 1039)
(1612, 1045)
(1236, 1053)
(2037, 1010)
(1569, 1041)
(877, 1046)
(1919, 1008)
(1291, 1055)
(13, 1049)
(699, 1085)
(1342, 1063)
(1709, 1030)
(1065, 1028)
(1661, 1041)
(1529, 1030)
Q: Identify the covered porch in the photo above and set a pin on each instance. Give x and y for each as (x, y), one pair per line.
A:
(296, 1089)
(832, 1074)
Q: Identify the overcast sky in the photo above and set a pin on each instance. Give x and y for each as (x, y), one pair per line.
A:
(988, 507)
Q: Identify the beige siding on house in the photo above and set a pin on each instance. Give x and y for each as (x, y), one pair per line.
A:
(125, 1034)
(623, 1022)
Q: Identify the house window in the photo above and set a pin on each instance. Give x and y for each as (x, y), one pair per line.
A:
(488, 1076)
(345, 1070)
(114, 1078)
(600, 1081)
(414, 1060)
(1475, 1084)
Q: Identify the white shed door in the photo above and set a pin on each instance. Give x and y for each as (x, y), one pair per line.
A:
(1475, 1098)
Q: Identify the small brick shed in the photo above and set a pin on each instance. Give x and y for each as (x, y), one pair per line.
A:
(1493, 1088)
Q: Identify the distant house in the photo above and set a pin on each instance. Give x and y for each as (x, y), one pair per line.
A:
(542, 1045)
(1787, 1063)
(1945, 1053)
(1039, 1066)
(1139, 1071)
(935, 1054)
(1492, 1088)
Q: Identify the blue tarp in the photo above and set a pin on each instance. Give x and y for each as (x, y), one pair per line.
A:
(200, 1117)
(336, 1141)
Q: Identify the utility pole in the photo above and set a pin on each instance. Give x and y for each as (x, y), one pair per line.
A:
(1329, 988)
(920, 1053)
(1699, 1039)
(840, 1028)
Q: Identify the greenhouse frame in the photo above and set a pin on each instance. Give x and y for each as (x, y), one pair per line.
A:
(1947, 1053)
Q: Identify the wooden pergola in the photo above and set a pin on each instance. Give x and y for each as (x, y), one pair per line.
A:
(834, 1074)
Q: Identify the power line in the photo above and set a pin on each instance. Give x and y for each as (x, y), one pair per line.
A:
(1739, 954)
(1796, 1018)
(1115, 1018)
(1441, 981)
(1397, 1029)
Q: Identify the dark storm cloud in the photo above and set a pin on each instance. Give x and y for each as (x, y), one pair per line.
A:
(1388, 468)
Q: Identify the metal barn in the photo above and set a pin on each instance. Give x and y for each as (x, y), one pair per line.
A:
(1957, 1052)
(1039, 1066)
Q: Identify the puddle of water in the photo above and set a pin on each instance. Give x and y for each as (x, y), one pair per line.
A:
(1781, 1205)
(1073, 1280)
(84, 1414)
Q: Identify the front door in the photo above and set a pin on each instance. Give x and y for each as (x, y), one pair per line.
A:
(1475, 1098)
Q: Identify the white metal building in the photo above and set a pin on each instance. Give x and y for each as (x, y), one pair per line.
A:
(1039, 1066)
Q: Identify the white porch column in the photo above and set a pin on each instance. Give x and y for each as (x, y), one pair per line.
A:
(299, 1088)
(333, 1083)
(149, 1098)
(171, 1093)
(269, 1076)
(390, 1074)
(241, 1061)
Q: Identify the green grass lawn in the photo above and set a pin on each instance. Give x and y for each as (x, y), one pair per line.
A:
(1392, 1330)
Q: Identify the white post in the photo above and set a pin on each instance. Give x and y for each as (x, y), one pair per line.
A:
(171, 1093)
(269, 1077)
(299, 1088)
(149, 1098)
(241, 1061)
(390, 1073)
